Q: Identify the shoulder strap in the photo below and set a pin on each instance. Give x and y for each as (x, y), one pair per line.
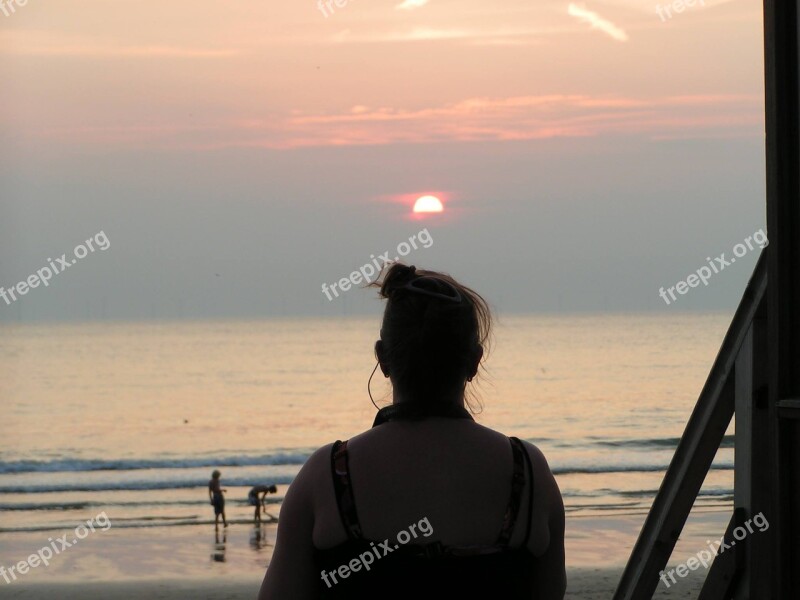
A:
(517, 485)
(343, 488)
(530, 496)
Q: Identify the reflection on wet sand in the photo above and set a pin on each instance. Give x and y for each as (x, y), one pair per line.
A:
(258, 538)
(218, 555)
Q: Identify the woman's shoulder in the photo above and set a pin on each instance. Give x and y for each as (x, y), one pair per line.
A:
(536, 455)
(319, 460)
(548, 495)
(542, 473)
(304, 489)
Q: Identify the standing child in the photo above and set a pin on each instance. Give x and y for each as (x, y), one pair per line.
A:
(217, 499)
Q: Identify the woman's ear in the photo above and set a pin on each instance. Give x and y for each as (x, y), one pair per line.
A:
(381, 356)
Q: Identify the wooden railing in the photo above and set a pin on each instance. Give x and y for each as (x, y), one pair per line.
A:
(697, 448)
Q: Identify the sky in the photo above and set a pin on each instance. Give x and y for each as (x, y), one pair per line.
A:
(237, 156)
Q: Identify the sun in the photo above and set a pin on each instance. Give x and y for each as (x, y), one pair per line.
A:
(428, 204)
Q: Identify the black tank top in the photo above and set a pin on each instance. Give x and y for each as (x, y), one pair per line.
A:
(381, 569)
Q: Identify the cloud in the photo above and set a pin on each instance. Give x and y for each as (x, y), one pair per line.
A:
(516, 36)
(597, 22)
(411, 4)
(480, 119)
(516, 118)
(39, 43)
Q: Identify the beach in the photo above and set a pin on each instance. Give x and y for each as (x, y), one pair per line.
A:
(231, 235)
(195, 561)
(582, 584)
(134, 435)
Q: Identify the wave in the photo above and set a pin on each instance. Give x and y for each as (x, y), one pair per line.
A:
(665, 443)
(71, 465)
(715, 493)
(724, 494)
(67, 506)
(109, 485)
(650, 468)
(135, 486)
(291, 457)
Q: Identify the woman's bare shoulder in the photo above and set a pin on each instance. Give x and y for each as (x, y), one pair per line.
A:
(312, 470)
(544, 480)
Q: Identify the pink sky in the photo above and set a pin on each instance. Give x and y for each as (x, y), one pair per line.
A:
(587, 153)
(197, 75)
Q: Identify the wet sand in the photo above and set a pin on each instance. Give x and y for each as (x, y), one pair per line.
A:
(583, 584)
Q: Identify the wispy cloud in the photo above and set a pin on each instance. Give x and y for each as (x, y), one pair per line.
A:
(517, 36)
(516, 119)
(598, 22)
(524, 118)
(481, 119)
(411, 4)
(38, 43)
(132, 51)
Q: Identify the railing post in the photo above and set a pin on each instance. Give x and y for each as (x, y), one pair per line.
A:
(751, 451)
(782, 85)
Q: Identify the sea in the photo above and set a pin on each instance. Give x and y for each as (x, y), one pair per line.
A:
(130, 418)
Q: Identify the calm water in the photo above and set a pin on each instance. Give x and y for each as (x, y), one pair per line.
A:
(131, 418)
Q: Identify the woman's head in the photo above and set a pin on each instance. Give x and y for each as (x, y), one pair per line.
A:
(433, 333)
(215, 474)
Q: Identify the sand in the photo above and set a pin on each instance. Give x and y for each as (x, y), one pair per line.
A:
(584, 584)
(196, 563)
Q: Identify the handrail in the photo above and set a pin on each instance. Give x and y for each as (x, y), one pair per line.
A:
(694, 454)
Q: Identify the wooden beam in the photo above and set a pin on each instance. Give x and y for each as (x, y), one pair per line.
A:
(789, 409)
(728, 567)
(694, 454)
(751, 452)
(782, 86)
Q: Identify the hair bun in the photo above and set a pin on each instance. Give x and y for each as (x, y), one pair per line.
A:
(397, 277)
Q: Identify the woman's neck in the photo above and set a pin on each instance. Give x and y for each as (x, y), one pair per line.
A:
(456, 398)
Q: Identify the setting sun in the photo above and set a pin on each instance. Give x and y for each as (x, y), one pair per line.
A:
(428, 204)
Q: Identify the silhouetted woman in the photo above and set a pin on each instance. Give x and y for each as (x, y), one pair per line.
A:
(426, 503)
